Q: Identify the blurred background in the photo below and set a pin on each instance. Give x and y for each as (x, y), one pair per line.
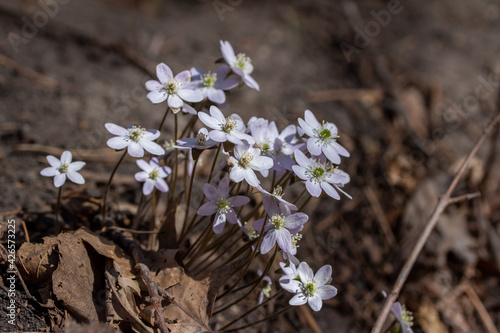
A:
(410, 84)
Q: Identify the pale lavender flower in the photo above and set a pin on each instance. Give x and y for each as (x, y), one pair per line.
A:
(404, 317)
(224, 129)
(60, 169)
(322, 138)
(221, 204)
(201, 141)
(245, 162)
(309, 288)
(211, 85)
(317, 176)
(240, 64)
(152, 175)
(280, 226)
(173, 89)
(135, 139)
(285, 145)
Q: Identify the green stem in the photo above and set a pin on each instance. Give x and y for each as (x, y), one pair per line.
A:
(214, 163)
(305, 203)
(153, 237)
(176, 165)
(108, 185)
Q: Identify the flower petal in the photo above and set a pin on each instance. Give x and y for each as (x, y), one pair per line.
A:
(330, 153)
(78, 165)
(151, 147)
(209, 121)
(323, 275)
(175, 102)
(210, 192)
(157, 97)
(313, 189)
(310, 119)
(208, 209)
(284, 239)
(76, 177)
(49, 172)
(163, 72)
(141, 176)
(298, 299)
(148, 187)
(268, 242)
(66, 157)
(59, 179)
(305, 272)
(315, 302)
(190, 95)
(219, 223)
(53, 161)
(161, 185)
(216, 95)
(330, 190)
(117, 143)
(115, 129)
(302, 159)
(313, 146)
(153, 85)
(135, 150)
(327, 292)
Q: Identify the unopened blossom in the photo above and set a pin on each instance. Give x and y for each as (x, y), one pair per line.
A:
(202, 141)
(317, 176)
(62, 168)
(211, 85)
(322, 138)
(175, 90)
(245, 162)
(240, 64)
(153, 175)
(224, 129)
(135, 138)
(221, 204)
(310, 288)
(281, 224)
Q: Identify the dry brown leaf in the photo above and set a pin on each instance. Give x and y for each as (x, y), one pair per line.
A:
(37, 262)
(188, 312)
(123, 303)
(71, 326)
(73, 280)
(428, 318)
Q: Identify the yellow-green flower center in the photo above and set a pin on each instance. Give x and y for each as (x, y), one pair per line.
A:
(406, 315)
(267, 290)
(63, 168)
(318, 172)
(308, 289)
(278, 220)
(278, 191)
(245, 160)
(136, 133)
(154, 174)
(242, 60)
(172, 86)
(202, 139)
(229, 125)
(265, 148)
(223, 206)
(209, 79)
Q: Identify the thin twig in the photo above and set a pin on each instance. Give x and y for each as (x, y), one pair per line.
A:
(481, 310)
(441, 205)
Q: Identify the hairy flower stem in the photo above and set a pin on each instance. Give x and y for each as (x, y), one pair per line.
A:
(153, 237)
(163, 120)
(217, 248)
(188, 202)
(195, 244)
(135, 224)
(214, 163)
(58, 204)
(236, 254)
(176, 163)
(300, 196)
(253, 309)
(305, 203)
(259, 321)
(261, 236)
(255, 284)
(108, 185)
(208, 235)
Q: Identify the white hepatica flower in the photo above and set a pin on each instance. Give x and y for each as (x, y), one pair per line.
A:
(173, 89)
(240, 64)
(211, 85)
(152, 175)
(60, 169)
(201, 141)
(135, 139)
(224, 129)
(309, 288)
(245, 162)
(322, 138)
(317, 176)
